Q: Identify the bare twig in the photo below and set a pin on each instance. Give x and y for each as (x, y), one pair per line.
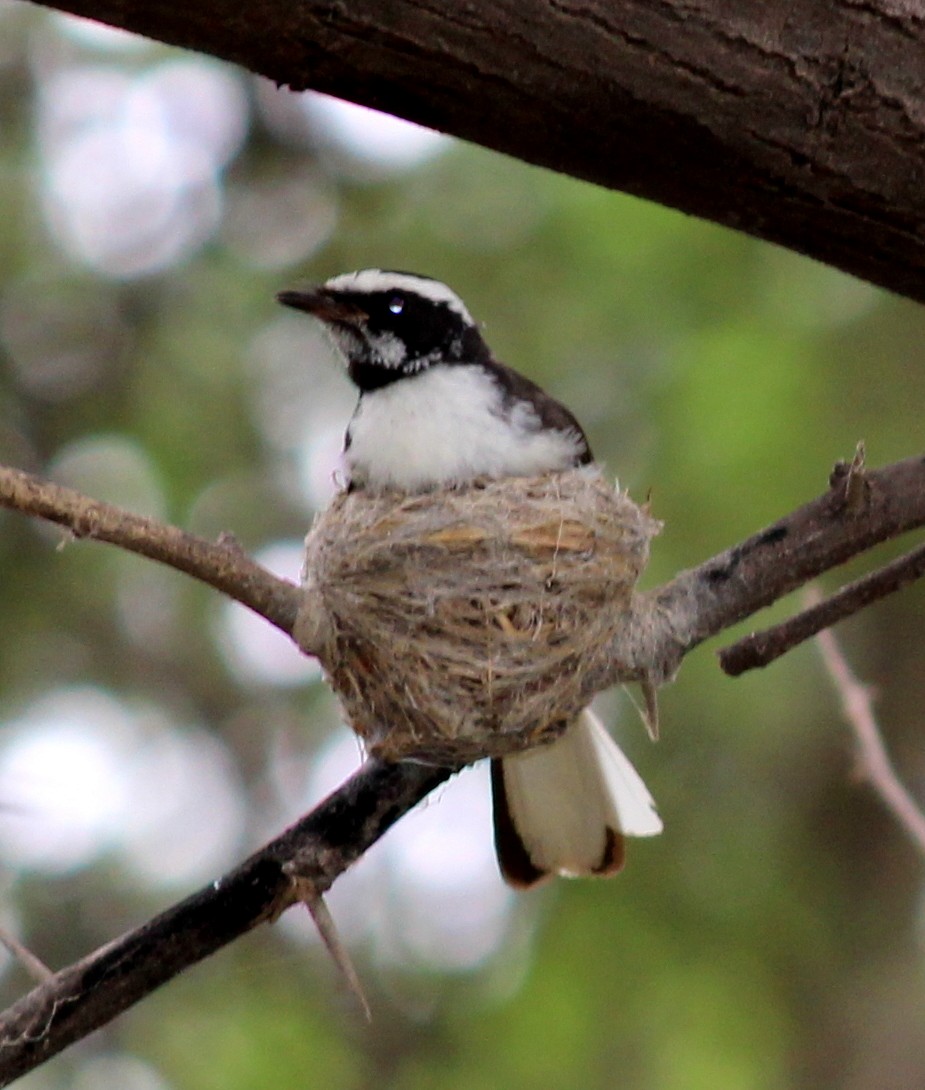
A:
(762, 648)
(873, 759)
(223, 566)
(34, 966)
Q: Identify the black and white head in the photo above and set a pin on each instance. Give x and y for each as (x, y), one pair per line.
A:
(389, 325)
(435, 407)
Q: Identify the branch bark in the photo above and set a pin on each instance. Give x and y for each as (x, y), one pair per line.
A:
(223, 565)
(88, 994)
(802, 124)
(846, 520)
(762, 648)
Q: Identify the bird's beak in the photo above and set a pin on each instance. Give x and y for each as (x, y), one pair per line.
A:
(323, 304)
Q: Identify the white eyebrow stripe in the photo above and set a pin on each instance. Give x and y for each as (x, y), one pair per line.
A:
(375, 280)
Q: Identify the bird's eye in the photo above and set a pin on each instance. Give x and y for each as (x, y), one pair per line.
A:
(396, 304)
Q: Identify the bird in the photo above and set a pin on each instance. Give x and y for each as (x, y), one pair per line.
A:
(435, 410)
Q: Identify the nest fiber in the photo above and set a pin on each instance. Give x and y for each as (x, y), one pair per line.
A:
(474, 621)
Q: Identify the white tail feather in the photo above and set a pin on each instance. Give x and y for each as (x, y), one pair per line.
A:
(569, 800)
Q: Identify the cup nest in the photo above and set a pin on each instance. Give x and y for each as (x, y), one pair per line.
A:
(473, 621)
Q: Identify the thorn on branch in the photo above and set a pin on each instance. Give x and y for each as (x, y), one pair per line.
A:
(648, 713)
(309, 893)
(227, 540)
(849, 479)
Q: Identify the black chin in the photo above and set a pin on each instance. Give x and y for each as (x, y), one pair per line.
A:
(371, 376)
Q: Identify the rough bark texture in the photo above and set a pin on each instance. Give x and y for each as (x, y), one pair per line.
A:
(802, 123)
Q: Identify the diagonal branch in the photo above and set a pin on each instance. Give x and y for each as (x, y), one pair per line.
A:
(222, 565)
(693, 606)
(842, 523)
(89, 993)
(762, 648)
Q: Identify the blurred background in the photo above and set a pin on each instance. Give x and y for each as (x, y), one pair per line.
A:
(151, 734)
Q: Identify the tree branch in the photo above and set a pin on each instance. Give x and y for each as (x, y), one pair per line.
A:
(222, 565)
(762, 648)
(802, 125)
(91, 992)
(695, 605)
(861, 509)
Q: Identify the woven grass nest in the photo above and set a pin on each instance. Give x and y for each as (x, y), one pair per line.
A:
(475, 621)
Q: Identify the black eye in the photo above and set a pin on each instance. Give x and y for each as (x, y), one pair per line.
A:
(397, 304)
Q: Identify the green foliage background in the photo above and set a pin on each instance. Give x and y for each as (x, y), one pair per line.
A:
(772, 937)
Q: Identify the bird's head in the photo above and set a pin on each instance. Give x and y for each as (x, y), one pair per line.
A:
(390, 325)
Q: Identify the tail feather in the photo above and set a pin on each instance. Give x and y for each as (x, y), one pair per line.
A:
(565, 808)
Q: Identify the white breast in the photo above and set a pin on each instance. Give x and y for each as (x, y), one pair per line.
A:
(445, 425)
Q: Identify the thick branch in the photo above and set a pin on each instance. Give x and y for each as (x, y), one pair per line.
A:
(860, 510)
(695, 605)
(800, 124)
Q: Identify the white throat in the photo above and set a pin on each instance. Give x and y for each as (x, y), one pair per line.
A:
(447, 425)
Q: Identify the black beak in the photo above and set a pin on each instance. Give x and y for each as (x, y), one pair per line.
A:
(323, 304)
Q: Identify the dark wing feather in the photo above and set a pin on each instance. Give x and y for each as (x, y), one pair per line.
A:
(549, 412)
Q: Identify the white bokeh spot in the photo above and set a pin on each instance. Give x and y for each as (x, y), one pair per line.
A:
(82, 775)
(131, 178)
(254, 650)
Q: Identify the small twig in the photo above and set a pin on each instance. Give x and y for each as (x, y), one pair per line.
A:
(223, 566)
(761, 648)
(34, 966)
(873, 759)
